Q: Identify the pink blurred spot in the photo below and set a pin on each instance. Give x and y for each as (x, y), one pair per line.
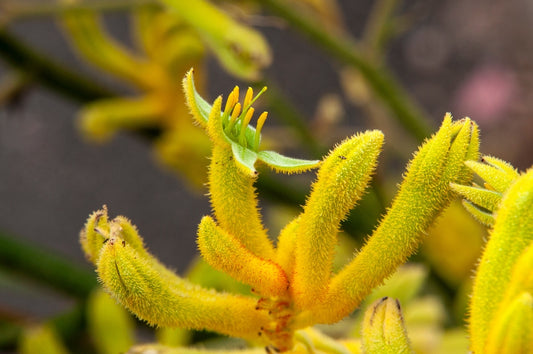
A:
(486, 94)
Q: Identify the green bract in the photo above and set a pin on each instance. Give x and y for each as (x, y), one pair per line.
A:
(231, 128)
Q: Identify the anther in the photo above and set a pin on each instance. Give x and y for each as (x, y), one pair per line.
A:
(260, 122)
(248, 98)
(236, 93)
(230, 102)
(234, 117)
(244, 125)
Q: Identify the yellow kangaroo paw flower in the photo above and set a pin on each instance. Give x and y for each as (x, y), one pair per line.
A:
(199, 108)
(88, 36)
(485, 198)
(522, 276)
(512, 318)
(481, 202)
(168, 43)
(223, 252)
(102, 119)
(423, 194)
(498, 179)
(111, 327)
(286, 247)
(203, 274)
(138, 286)
(511, 333)
(512, 233)
(163, 35)
(230, 128)
(384, 329)
(41, 339)
(99, 229)
(480, 215)
(502, 165)
(94, 234)
(241, 50)
(234, 203)
(340, 183)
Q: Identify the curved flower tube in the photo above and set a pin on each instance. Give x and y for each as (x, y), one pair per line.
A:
(292, 282)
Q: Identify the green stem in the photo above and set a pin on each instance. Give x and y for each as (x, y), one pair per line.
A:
(45, 267)
(68, 325)
(379, 79)
(16, 10)
(12, 85)
(48, 72)
(378, 27)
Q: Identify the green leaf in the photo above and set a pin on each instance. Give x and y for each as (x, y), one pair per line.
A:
(246, 158)
(286, 164)
(244, 143)
(200, 109)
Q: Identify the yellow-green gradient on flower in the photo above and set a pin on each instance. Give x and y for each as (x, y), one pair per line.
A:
(292, 282)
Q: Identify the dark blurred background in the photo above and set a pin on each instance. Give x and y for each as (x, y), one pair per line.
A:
(469, 57)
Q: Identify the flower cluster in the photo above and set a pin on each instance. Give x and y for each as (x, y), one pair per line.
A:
(292, 283)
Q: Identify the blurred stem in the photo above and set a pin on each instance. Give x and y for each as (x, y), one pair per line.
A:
(45, 267)
(15, 10)
(378, 26)
(67, 325)
(48, 72)
(379, 79)
(12, 85)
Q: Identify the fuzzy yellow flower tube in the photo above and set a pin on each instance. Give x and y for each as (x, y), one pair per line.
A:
(154, 293)
(292, 282)
(511, 331)
(423, 194)
(511, 235)
(340, 183)
(384, 330)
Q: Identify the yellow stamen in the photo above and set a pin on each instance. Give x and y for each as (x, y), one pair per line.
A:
(234, 117)
(260, 123)
(248, 98)
(236, 93)
(244, 124)
(230, 102)
(236, 112)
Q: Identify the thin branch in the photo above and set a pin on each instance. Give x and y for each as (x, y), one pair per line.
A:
(16, 10)
(45, 267)
(379, 26)
(68, 325)
(47, 72)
